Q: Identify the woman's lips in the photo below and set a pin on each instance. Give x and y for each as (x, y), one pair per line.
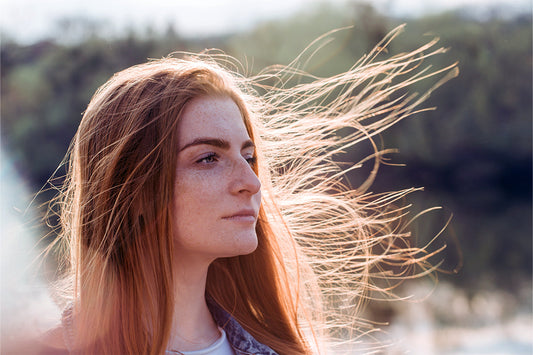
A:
(242, 216)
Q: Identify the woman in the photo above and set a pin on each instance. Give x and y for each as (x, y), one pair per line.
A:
(198, 215)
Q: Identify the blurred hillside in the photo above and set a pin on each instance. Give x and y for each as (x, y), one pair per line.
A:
(473, 154)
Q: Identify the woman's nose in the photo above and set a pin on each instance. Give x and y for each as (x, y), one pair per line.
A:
(244, 179)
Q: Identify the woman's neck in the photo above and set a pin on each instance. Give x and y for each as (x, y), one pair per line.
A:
(193, 327)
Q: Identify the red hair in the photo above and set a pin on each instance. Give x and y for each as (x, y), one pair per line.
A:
(117, 219)
(316, 236)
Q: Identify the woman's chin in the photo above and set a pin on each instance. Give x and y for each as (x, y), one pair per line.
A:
(251, 247)
(244, 246)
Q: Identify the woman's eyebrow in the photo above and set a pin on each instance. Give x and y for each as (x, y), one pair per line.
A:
(248, 144)
(216, 142)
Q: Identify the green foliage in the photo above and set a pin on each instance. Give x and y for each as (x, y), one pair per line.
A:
(283, 40)
(473, 153)
(489, 105)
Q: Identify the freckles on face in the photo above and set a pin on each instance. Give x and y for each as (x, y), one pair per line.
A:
(217, 194)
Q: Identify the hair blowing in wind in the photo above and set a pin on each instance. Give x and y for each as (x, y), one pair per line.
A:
(324, 247)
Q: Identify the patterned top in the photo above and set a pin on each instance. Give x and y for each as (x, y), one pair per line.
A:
(242, 342)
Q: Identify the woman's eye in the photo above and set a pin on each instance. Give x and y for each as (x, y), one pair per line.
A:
(209, 158)
(251, 160)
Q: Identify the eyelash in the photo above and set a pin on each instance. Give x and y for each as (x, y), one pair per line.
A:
(252, 160)
(213, 157)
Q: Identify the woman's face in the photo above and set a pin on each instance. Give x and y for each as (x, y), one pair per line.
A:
(217, 194)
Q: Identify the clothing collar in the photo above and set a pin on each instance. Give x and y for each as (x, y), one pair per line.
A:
(242, 341)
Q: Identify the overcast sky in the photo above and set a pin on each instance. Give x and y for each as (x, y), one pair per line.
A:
(29, 20)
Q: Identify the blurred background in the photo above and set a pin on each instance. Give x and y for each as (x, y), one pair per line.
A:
(473, 155)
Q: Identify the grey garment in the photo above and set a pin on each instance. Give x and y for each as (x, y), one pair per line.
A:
(243, 343)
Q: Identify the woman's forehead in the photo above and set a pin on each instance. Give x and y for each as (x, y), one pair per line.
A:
(212, 116)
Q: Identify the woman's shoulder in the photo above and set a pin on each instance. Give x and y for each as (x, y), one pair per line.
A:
(49, 343)
(54, 339)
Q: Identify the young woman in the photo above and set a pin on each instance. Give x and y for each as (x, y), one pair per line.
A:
(202, 218)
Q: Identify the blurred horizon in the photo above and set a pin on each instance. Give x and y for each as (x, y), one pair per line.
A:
(30, 21)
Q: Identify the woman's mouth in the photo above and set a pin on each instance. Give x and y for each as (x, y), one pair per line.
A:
(242, 216)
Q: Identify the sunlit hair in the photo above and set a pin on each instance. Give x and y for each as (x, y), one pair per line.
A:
(321, 244)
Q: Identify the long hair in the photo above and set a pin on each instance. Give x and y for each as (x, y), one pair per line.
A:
(320, 242)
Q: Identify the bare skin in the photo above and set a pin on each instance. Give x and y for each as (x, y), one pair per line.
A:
(217, 199)
(193, 326)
